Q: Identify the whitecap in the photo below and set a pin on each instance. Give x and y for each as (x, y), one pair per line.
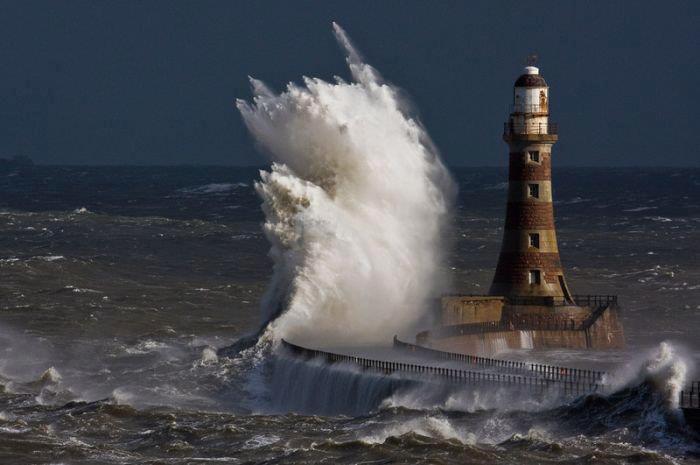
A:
(50, 376)
(50, 258)
(209, 356)
(11, 430)
(260, 440)
(80, 290)
(213, 188)
(145, 347)
(661, 219)
(122, 397)
(429, 426)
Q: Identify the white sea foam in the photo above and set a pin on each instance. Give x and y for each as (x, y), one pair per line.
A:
(355, 203)
(431, 397)
(122, 396)
(80, 290)
(429, 426)
(50, 258)
(145, 347)
(50, 376)
(12, 430)
(260, 440)
(666, 366)
(209, 355)
(661, 219)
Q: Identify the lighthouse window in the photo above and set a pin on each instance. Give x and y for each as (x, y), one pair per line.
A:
(534, 156)
(535, 240)
(534, 276)
(534, 190)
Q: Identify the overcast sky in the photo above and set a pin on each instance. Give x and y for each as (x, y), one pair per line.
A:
(126, 82)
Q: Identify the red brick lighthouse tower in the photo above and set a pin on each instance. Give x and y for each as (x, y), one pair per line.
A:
(529, 264)
(529, 305)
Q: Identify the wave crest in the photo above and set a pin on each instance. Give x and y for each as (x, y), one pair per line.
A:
(355, 203)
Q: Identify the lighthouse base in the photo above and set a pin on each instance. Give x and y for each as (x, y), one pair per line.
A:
(490, 324)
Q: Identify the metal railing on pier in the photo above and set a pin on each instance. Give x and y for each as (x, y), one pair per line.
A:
(520, 323)
(567, 387)
(583, 300)
(551, 372)
(691, 398)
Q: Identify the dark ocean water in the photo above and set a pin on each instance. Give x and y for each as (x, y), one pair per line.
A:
(118, 284)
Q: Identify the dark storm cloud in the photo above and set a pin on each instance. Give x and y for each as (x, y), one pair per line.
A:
(154, 82)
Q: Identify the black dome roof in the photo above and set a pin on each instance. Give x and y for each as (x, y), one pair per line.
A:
(530, 80)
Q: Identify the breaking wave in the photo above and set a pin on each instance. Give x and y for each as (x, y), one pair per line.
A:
(355, 204)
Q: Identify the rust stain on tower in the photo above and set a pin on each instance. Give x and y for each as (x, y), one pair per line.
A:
(529, 303)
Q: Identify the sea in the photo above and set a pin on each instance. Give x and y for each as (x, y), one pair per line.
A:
(120, 286)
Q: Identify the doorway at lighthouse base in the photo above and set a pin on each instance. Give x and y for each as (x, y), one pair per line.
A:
(490, 324)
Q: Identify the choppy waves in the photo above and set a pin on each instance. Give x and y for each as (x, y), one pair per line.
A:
(136, 425)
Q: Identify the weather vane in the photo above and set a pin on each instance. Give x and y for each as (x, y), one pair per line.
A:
(532, 59)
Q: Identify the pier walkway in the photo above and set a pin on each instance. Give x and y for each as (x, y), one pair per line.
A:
(491, 372)
(550, 372)
(535, 378)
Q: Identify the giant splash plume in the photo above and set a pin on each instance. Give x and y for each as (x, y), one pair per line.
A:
(355, 204)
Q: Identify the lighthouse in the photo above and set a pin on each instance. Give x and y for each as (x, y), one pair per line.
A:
(529, 264)
(529, 305)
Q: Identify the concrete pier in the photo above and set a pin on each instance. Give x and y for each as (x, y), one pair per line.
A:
(536, 379)
(477, 372)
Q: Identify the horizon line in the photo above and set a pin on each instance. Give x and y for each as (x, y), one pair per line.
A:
(216, 165)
